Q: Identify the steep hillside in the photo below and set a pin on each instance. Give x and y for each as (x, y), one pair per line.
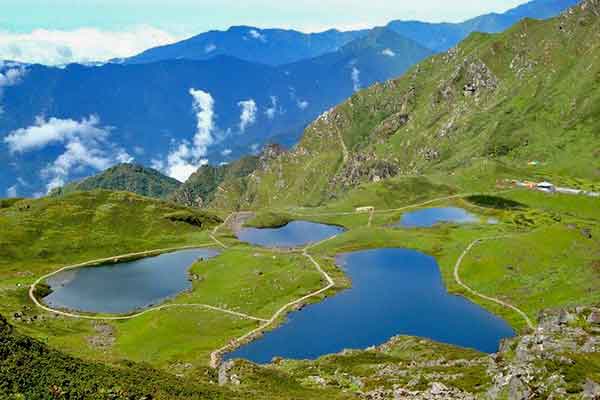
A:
(129, 178)
(265, 46)
(147, 111)
(82, 226)
(442, 36)
(32, 370)
(531, 93)
(200, 188)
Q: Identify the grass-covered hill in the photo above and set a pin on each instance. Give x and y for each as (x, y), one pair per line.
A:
(126, 177)
(531, 93)
(31, 370)
(201, 186)
(81, 226)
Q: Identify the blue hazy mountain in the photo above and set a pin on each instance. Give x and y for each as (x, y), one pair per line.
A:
(148, 106)
(442, 36)
(266, 46)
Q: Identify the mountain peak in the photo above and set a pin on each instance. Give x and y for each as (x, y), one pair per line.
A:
(133, 178)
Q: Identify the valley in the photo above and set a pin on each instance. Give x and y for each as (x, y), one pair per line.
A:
(412, 245)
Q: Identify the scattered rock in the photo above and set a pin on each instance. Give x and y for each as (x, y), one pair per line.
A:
(104, 337)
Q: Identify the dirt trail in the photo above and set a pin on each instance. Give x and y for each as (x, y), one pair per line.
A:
(216, 356)
(126, 317)
(479, 294)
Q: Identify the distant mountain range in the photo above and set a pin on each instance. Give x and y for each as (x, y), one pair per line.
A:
(278, 47)
(210, 99)
(265, 46)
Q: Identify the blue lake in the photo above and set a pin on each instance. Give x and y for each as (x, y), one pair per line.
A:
(294, 234)
(124, 287)
(428, 217)
(394, 292)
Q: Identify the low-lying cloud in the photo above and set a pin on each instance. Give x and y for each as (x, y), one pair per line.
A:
(187, 157)
(388, 53)
(355, 79)
(57, 47)
(85, 146)
(254, 34)
(271, 111)
(54, 130)
(11, 76)
(248, 114)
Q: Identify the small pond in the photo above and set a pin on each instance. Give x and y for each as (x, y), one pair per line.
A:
(294, 234)
(394, 291)
(124, 287)
(428, 217)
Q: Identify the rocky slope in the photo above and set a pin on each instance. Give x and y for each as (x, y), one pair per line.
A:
(559, 360)
(202, 187)
(531, 93)
(126, 177)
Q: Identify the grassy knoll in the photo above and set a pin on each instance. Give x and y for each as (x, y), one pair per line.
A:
(253, 281)
(31, 370)
(177, 339)
(553, 266)
(40, 235)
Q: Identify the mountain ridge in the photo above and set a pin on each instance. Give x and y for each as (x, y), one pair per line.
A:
(496, 97)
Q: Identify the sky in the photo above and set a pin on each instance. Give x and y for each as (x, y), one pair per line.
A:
(61, 31)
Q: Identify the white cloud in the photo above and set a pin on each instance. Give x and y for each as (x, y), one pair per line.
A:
(303, 104)
(55, 47)
(186, 158)
(272, 109)
(254, 34)
(356, 79)
(203, 105)
(248, 114)
(181, 163)
(388, 53)
(85, 146)
(123, 157)
(10, 77)
(139, 150)
(157, 164)
(209, 48)
(254, 148)
(226, 152)
(54, 130)
(12, 191)
(77, 155)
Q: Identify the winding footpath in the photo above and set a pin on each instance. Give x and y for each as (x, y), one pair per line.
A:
(479, 294)
(216, 356)
(136, 315)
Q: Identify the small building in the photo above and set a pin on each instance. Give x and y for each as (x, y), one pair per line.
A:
(546, 187)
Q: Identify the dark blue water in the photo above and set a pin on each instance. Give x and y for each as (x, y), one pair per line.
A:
(394, 291)
(294, 234)
(125, 287)
(428, 217)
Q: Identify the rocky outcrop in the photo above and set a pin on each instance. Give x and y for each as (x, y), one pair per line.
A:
(472, 78)
(558, 360)
(364, 167)
(269, 153)
(549, 362)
